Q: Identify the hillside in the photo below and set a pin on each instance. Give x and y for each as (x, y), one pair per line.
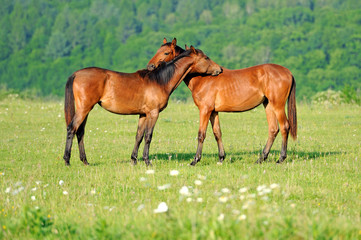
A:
(42, 42)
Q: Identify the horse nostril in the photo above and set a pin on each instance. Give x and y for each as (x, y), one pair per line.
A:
(151, 67)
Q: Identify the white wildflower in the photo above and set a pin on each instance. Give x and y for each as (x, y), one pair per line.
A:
(33, 189)
(189, 200)
(61, 182)
(140, 207)
(220, 217)
(261, 187)
(162, 208)
(201, 177)
(243, 190)
(274, 185)
(33, 198)
(149, 171)
(142, 179)
(65, 193)
(7, 190)
(37, 182)
(225, 190)
(199, 200)
(198, 182)
(92, 192)
(242, 217)
(174, 173)
(164, 187)
(184, 191)
(223, 199)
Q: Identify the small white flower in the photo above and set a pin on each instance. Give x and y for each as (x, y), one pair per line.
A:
(164, 187)
(46, 185)
(201, 177)
(236, 211)
(33, 198)
(261, 187)
(242, 217)
(65, 193)
(174, 173)
(223, 199)
(142, 179)
(37, 182)
(189, 200)
(7, 190)
(198, 182)
(61, 182)
(267, 190)
(199, 199)
(111, 209)
(33, 189)
(140, 207)
(92, 192)
(162, 208)
(242, 197)
(225, 190)
(243, 190)
(293, 205)
(184, 191)
(219, 163)
(149, 171)
(274, 185)
(220, 217)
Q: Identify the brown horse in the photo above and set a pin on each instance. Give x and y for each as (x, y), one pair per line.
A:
(238, 91)
(144, 92)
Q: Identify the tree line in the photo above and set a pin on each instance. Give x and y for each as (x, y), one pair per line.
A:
(43, 42)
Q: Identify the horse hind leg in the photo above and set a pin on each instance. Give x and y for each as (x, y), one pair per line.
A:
(80, 136)
(218, 135)
(71, 131)
(285, 128)
(272, 131)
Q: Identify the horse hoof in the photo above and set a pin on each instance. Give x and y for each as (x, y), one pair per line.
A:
(67, 164)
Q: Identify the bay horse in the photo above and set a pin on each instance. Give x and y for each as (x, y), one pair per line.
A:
(238, 91)
(144, 92)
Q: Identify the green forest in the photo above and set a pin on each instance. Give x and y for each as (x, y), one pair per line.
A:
(42, 42)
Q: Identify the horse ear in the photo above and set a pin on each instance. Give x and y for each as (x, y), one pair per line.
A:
(193, 49)
(187, 48)
(164, 41)
(174, 42)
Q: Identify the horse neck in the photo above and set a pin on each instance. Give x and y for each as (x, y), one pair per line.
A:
(182, 67)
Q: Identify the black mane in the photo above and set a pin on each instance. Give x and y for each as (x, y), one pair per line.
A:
(165, 71)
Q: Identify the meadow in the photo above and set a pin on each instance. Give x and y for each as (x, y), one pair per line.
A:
(315, 194)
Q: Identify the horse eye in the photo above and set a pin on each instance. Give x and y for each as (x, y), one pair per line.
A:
(207, 58)
(167, 53)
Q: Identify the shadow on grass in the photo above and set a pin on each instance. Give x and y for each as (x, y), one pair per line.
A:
(238, 156)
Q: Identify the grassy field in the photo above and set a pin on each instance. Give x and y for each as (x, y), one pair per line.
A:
(315, 194)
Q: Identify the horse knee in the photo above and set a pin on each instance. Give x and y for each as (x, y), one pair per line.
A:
(274, 131)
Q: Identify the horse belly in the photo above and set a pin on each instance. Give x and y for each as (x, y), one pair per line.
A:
(238, 103)
(121, 104)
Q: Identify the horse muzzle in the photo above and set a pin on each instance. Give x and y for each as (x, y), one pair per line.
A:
(151, 67)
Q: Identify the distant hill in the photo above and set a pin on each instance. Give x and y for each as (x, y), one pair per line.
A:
(43, 42)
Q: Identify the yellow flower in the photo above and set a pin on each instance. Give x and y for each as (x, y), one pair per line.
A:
(4, 227)
(49, 216)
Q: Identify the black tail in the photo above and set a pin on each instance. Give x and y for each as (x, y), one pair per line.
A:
(292, 112)
(69, 108)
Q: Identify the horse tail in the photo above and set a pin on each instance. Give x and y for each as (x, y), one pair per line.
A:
(69, 108)
(292, 113)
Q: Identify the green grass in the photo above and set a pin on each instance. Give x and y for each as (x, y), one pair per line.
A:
(319, 184)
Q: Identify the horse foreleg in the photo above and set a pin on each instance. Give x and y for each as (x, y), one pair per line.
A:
(272, 132)
(203, 123)
(285, 127)
(138, 138)
(80, 135)
(218, 135)
(149, 127)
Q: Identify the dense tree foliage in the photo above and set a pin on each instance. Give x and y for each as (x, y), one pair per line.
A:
(42, 42)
